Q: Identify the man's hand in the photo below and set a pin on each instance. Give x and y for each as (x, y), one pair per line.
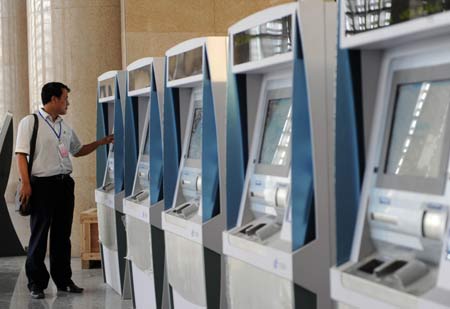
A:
(25, 193)
(107, 140)
(87, 149)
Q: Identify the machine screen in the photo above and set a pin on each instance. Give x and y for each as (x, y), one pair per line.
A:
(195, 145)
(277, 132)
(418, 129)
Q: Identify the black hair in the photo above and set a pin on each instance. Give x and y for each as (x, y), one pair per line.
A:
(52, 89)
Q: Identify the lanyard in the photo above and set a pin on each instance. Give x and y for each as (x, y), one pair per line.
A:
(58, 135)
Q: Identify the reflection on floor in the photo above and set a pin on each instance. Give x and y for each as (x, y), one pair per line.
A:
(14, 293)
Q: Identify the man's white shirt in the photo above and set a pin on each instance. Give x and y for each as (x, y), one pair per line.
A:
(48, 160)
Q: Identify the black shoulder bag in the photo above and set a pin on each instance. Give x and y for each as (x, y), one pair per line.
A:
(21, 208)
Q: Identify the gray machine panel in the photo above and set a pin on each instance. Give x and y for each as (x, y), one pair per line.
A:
(190, 167)
(269, 180)
(274, 155)
(421, 158)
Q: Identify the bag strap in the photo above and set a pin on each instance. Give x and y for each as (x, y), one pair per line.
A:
(33, 144)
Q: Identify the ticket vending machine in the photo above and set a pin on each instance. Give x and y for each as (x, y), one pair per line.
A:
(277, 253)
(145, 200)
(400, 254)
(110, 179)
(195, 213)
(11, 245)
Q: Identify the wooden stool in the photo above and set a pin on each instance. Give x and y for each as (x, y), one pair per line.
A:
(90, 249)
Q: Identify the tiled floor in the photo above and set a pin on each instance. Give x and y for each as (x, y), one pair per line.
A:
(15, 295)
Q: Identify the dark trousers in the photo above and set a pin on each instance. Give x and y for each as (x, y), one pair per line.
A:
(52, 203)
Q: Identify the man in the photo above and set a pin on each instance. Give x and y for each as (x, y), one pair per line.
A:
(50, 189)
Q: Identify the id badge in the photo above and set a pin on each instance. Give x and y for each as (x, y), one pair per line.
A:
(63, 151)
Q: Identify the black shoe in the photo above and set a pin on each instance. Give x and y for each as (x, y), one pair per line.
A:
(37, 293)
(71, 288)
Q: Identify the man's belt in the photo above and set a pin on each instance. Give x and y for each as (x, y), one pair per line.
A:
(58, 177)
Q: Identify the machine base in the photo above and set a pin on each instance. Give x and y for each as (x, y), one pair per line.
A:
(111, 268)
(181, 303)
(144, 288)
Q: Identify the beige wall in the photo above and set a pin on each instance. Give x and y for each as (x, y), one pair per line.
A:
(152, 27)
(74, 42)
